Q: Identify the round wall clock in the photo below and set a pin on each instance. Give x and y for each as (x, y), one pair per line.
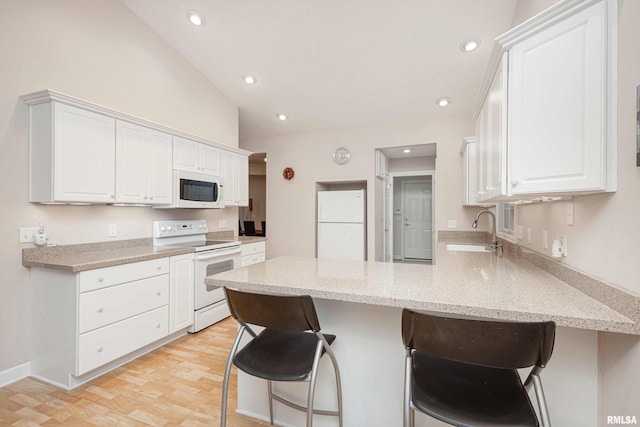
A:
(288, 173)
(341, 156)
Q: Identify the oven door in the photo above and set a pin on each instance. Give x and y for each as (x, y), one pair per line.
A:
(208, 263)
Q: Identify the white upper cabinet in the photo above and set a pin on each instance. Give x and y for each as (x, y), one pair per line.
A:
(469, 153)
(548, 125)
(235, 170)
(72, 155)
(558, 107)
(492, 138)
(194, 156)
(143, 165)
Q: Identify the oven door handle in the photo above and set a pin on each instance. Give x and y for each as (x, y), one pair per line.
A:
(200, 257)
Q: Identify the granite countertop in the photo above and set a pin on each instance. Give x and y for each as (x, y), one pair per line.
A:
(90, 256)
(463, 283)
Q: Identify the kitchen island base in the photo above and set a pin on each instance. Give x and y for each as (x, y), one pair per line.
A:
(370, 354)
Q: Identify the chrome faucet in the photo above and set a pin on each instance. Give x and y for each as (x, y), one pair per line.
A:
(495, 245)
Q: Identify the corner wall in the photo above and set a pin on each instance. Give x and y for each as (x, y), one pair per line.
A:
(99, 51)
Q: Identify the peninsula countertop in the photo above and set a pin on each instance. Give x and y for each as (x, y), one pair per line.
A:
(461, 283)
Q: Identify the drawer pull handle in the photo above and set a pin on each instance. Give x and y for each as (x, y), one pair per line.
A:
(99, 349)
(100, 279)
(100, 309)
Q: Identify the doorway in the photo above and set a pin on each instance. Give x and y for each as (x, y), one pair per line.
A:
(412, 225)
(254, 215)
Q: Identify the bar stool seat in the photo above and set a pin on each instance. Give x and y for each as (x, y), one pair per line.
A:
(470, 395)
(280, 355)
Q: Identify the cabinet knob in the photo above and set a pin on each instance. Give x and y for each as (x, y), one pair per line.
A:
(158, 293)
(100, 309)
(158, 326)
(514, 182)
(100, 279)
(145, 197)
(150, 197)
(99, 349)
(113, 196)
(159, 267)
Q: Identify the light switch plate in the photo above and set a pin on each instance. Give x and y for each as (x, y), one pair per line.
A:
(570, 214)
(223, 223)
(545, 245)
(453, 223)
(113, 230)
(27, 233)
(519, 232)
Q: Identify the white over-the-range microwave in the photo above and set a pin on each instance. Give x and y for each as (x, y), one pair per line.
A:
(196, 190)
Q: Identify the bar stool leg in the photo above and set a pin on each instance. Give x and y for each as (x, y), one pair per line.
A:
(407, 412)
(270, 391)
(227, 372)
(336, 370)
(312, 384)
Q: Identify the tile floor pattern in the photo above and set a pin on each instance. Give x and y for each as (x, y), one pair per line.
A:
(179, 384)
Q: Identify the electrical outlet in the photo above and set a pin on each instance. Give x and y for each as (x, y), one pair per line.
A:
(570, 216)
(27, 233)
(529, 238)
(113, 230)
(519, 232)
(453, 223)
(223, 223)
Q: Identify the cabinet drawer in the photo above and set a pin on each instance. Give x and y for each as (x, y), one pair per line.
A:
(106, 344)
(252, 248)
(103, 277)
(104, 306)
(253, 259)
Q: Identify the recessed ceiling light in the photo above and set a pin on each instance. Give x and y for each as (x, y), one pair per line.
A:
(195, 17)
(443, 102)
(470, 45)
(282, 117)
(406, 150)
(250, 80)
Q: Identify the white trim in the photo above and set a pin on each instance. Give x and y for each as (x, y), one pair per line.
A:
(47, 95)
(17, 373)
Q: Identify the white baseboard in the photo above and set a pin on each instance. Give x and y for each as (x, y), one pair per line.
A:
(14, 374)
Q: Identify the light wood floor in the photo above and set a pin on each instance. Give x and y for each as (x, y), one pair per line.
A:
(179, 384)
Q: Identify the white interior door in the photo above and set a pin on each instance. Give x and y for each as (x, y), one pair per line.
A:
(417, 219)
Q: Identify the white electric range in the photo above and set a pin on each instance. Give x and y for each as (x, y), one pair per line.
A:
(211, 257)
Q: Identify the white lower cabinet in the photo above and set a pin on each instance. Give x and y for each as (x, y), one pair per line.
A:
(87, 323)
(181, 291)
(253, 253)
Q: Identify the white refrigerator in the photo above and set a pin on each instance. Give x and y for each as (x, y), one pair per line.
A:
(341, 224)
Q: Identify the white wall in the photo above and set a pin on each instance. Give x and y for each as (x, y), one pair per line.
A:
(99, 51)
(603, 242)
(291, 204)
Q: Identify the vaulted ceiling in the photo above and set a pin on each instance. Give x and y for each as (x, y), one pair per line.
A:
(330, 64)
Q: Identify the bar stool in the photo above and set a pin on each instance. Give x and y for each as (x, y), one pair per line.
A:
(284, 351)
(464, 372)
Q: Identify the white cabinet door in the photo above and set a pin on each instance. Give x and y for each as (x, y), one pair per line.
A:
(242, 180)
(558, 107)
(84, 156)
(181, 292)
(131, 162)
(209, 159)
(185, 154)
(235, 170)
(192, 156)
(143, 165)
(469, 152)
(491, 129)
(159, 170)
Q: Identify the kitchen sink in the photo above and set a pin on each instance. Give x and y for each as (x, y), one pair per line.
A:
(467, 248)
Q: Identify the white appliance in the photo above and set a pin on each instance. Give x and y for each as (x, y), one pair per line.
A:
(196, 190)
(341, 224)
(211, 257)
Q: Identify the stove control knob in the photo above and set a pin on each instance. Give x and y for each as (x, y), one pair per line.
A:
(163, 228)
(168, 228)
(200, 226)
